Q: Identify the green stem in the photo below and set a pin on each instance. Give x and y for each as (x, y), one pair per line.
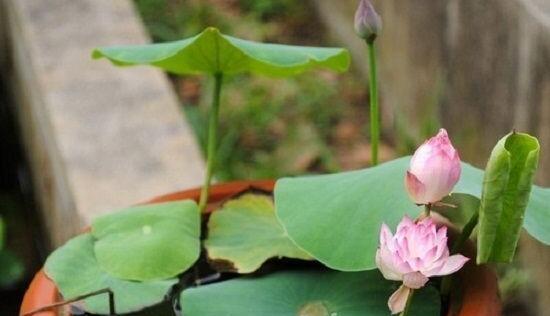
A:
(405, 311)
(457, 245)
(428, 209)
(374, 109)
(466, 232)
(212, 141)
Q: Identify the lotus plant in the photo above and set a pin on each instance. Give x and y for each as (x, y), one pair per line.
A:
(219, 56)
(419, 250)
(368, 25)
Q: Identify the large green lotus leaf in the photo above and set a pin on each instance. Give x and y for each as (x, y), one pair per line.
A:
(76, 272)
(303, 294)
(246, 233)
(213, 52)
(506, 188)
(336, 218)
(537, 215)
(148, 242)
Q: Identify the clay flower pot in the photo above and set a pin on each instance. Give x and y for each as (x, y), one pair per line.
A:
(475, 291)
(477, 294)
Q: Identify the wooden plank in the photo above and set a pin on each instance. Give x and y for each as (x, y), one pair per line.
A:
(98, 137)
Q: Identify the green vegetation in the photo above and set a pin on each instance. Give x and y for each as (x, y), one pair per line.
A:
(11, 266)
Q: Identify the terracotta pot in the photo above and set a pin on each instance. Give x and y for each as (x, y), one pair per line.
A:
(479, 295)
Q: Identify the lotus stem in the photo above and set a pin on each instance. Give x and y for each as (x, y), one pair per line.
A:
(457, 245)
(208, 279)
(466, 232)
(374, 108)
(428, 209)
(112, 309)
(212, 141)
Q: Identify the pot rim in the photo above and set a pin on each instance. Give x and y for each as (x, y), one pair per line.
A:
(479, 283)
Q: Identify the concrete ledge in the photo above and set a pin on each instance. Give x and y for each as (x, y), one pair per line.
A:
(98, 137)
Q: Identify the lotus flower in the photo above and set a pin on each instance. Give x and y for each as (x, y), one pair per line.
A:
(434, 170)
(415, 253)
(367, 22)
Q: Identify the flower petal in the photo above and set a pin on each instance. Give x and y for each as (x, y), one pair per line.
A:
(433, 269)
(453, 264)
(415, 188)
(385, 234)
(398, 299)
(405, 224)
(442, 233)
(386, 267)
(414, 280)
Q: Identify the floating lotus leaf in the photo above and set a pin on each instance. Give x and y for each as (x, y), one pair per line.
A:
(298, 293)
(148, 242)
(76, 272)
(245, 233)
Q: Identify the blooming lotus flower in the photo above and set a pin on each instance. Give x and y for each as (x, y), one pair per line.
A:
(434, 170)
(415, 253)
(367, 22)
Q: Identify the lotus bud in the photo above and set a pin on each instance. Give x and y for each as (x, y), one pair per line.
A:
(415, 253)
(367, 22)
(434, 170)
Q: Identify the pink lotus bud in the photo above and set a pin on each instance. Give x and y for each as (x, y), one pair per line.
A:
(434, 170)
(416, 252)
(367, 22)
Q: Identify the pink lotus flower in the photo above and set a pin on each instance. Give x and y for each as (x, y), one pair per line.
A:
(434, 170)
(416, 252)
